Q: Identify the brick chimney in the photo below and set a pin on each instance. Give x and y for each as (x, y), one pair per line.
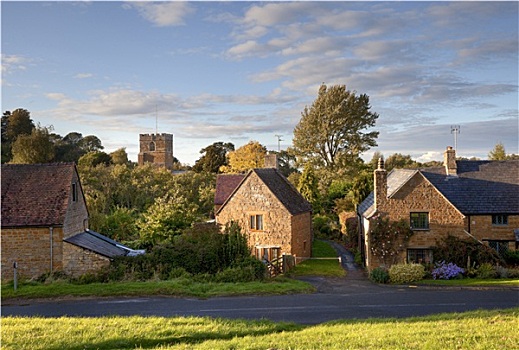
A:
(380, 177)
(449, 161)
(271, 161)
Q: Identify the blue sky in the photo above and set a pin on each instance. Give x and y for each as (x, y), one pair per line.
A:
(241, 71)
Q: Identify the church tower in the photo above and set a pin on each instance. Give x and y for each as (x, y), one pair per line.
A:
(156, 149)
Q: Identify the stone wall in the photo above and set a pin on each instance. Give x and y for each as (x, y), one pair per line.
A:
(78, 261)
(76, 218)
(482, 228)
(418, 195)
(31, 249)
(279, 227)
(161, 155)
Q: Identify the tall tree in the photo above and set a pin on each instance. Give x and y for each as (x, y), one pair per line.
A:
(400, 161)
(498, 152)
(34, 148)
(334, 129)
(245, 158)
(308, 187)
(14, 124)
(213, 157)
(119, 156)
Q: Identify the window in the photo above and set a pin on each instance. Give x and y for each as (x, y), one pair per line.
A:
(500, 247)
(74, 192)
(419, 256)
(152, 146)
(500, 220)
(419, 221)
(256, 222)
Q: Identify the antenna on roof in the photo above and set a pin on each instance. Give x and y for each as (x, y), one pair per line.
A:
(455, 129)
(156, 120)
(279, 142)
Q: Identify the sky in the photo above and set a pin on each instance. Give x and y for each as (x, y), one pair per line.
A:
(244, 71)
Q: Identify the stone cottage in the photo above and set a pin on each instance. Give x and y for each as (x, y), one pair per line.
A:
(464, 198)
(273, 215)
(45, 223)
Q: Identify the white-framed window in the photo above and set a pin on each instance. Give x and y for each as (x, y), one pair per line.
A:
(500, 220)
(419, 220)
(256, 222)
(419, 256)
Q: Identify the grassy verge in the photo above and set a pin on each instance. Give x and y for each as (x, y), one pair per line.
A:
(473, 282)
(317, 267)
(177, 287)
(495, 329)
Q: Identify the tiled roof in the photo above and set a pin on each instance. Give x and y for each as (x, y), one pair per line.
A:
(283, 190)
(100, 244)
(481, 187)
(225, 185)
(35, 194)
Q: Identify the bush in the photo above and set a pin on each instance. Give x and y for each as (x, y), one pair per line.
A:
(447, 271)
(406, 273)
(379, 275)
(486, 271)
(462, 252)
(511, 257)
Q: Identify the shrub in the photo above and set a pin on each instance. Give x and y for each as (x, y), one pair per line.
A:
(379, 275)
(463, 252)
(511, 257)
(446, 271)
(486, 271)
(406, 273)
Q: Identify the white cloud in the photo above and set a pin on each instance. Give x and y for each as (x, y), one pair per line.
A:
(83, 75)
(11, 63)
(163, 14)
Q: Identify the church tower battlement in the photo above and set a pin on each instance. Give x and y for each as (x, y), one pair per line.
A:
(156, 149)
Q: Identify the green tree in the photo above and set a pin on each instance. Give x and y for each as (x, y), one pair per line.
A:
(400, 161)
(166, 218)
(245, 158)
(332, 131)
(498, 152)
(90, 143)
(308, 187)
(34, 148)
(119, 156)
(94, 158)
(213, 157)
(14, 124)
(286, 163)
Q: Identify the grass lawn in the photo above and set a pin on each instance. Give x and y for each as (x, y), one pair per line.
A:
(320, 267)
(176, 287)
(474, 282)
(496, 329)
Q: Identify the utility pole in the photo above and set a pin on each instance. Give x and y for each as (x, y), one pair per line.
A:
(279, 142)
(455, 129)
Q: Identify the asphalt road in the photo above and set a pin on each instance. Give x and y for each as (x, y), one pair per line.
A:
(358, 300)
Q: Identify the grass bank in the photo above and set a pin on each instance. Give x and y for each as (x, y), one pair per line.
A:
(495, 329)
(325, 262)
(175, 287)
(473, 282)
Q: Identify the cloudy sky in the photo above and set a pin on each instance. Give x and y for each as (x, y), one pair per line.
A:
(241, 71)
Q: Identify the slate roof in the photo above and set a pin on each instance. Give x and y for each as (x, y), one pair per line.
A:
(100, 244)
(35, 194)
(480, 187)
(225, 185)
(278, 184)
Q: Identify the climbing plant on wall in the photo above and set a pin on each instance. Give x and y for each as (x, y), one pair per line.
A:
(388, 239)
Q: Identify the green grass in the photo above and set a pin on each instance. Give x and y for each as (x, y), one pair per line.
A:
(496, 329)
(474, 282)
(317, 267)
(177, 287)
